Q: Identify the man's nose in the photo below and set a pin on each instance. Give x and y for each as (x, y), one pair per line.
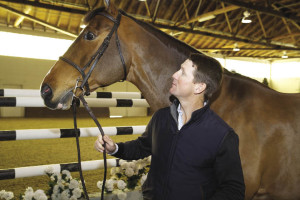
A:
(174, 76)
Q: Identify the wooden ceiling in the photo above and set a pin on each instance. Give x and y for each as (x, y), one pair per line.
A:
(212, 26)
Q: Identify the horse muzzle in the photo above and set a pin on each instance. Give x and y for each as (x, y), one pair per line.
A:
(63, 103)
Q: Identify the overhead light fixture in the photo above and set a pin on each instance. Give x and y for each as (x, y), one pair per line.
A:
(82, 26)
(236, 48)
(245, 19)
(142, 0)
(206, 18)
(284, 55)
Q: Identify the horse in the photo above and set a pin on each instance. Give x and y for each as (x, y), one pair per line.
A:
(266, 121)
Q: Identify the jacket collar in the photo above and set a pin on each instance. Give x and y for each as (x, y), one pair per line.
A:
(195, 115)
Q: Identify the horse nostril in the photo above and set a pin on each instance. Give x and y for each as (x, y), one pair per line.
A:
(46, 92)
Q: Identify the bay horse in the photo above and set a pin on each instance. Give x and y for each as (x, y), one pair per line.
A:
(266, 121)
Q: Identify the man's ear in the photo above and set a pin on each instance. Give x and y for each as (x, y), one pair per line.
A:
(110, 7)
(199, 88)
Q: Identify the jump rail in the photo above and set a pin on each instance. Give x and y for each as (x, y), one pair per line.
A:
(32, 134)
(92, 102)
(36, 93)
(31, 171)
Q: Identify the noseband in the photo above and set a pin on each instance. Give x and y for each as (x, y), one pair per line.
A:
(96, 57)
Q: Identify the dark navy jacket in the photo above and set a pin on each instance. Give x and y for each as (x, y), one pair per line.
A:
(199, 161)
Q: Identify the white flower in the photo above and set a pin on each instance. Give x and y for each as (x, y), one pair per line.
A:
(110, 185)
(6, 195)
(77, 193)
(99, 184)
(49, 170)
(28, 193)
(131, 165)
(129, 172)
(124, 165)
(29, 189)
(73, 184)
(121, 195)
(40, 195)
(121, 184)
(65, 195)
(67, 173)
(9, 196)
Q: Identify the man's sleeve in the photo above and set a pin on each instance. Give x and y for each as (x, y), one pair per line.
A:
(139, 148)
(228, 170)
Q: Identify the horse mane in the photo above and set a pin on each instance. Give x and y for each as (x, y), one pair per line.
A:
(245, 79)
(164, 37)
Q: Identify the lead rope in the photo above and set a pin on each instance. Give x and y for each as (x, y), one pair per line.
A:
(81, 98)
(78, 148)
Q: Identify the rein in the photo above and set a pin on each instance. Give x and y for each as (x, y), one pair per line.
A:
(84, 85)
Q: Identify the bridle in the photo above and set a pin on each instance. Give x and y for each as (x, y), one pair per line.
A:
(98, 54)
(84, 87)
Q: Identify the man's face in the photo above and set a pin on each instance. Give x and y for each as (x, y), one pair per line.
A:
(183, 85)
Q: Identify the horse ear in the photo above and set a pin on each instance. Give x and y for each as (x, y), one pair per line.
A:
(110, 7)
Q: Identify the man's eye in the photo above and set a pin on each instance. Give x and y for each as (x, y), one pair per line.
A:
(89, 36)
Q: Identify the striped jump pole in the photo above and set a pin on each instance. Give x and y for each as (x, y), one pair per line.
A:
(36, 93)
(31, 171)
(32, 134)
(92, 102)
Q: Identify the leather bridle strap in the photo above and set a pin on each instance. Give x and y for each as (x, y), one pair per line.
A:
(96, 57)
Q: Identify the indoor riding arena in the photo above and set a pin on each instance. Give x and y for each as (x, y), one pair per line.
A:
(72, 70)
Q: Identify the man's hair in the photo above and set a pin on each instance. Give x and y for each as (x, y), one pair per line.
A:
(207, 70)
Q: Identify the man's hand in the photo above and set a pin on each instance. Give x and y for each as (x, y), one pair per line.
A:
(110, 145)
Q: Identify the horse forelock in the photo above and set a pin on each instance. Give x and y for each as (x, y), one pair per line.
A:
(90, 15)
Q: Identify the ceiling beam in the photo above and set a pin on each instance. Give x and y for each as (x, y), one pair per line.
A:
(48, 6)
(226, 36)
(210, 15)
(261, 24)
(155, 11)
(227, 19)
(262, 9)
(11, 10)
(147, 8)
(186, 10)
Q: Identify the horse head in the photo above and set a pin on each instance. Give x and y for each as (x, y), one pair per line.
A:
(98, 56)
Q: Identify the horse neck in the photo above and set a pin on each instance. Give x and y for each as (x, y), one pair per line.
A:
(153, 62)
(241, 94)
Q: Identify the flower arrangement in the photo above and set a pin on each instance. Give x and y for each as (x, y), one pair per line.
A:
(63, 186)
(128, 177)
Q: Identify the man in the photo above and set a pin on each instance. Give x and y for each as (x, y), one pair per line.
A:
(194, 152)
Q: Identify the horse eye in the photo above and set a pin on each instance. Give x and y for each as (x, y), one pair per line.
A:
(89, 36)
